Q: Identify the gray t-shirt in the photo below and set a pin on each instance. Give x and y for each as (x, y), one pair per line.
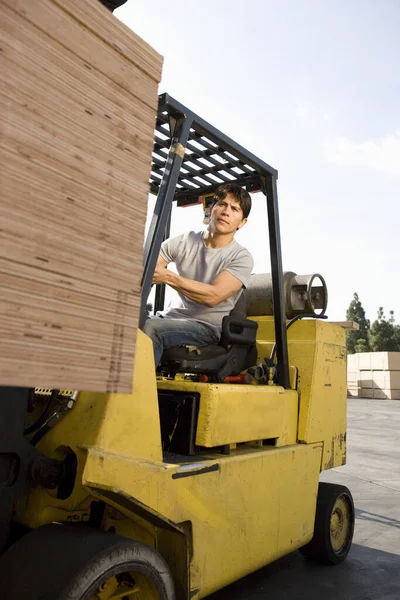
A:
(195, 261)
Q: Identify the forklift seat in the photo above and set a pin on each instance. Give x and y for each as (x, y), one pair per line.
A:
(235, 352)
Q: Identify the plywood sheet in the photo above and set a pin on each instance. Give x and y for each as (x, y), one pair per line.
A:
(78, 100)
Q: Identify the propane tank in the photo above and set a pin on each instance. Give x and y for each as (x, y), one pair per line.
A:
(304, 294)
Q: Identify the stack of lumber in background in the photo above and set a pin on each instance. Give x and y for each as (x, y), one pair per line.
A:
(78, 100)
(374, 375)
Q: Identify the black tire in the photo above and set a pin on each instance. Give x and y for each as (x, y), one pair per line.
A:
(133, 561)
(63, 562)
(334, 525)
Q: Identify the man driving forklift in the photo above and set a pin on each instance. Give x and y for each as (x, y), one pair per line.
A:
(212, 270)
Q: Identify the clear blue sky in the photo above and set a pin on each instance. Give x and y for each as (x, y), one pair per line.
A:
(313, 88)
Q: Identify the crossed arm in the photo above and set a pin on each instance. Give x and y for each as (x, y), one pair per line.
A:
(223, 286)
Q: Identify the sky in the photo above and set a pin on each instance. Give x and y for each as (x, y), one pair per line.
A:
(312, 88)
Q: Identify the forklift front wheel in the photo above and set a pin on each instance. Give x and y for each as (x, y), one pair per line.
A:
(334, 525)
(135, 572)
(75, 562)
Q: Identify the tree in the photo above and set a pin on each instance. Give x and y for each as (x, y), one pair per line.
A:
(357, 341)
(385, 335)
(361, 346)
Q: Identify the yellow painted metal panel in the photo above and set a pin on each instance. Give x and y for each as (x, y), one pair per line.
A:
(232, 413)
(130, 425)
(246, 510)
(318, 350)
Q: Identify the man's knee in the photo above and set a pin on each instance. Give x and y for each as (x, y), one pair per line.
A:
(150, 328)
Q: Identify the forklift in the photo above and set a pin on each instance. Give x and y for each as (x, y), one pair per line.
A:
(209, 469)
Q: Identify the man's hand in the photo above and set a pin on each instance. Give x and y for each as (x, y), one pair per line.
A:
(160, 274)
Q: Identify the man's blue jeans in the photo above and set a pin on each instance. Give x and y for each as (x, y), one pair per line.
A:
(167, 333)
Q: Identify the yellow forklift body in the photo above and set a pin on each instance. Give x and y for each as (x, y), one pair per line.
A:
(231, 514)
(318, 349)
(245, 510)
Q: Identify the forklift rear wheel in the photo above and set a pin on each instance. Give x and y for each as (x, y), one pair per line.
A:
(334, 525)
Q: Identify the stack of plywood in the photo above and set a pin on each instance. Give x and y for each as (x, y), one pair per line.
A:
(374, 375)
(353, 377)
(78, 100)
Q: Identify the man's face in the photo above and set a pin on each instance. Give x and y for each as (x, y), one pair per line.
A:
(227, 216)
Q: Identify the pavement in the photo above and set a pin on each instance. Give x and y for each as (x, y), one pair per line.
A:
(372, 568)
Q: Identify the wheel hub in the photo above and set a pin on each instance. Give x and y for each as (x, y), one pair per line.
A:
(340, 524)
(128, 587)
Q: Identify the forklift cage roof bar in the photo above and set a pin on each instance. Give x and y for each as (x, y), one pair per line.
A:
(192, 158)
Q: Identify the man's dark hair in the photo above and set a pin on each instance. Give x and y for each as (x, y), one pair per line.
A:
(239, 193)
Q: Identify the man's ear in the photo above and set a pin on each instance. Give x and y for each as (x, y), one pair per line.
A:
(244, 221)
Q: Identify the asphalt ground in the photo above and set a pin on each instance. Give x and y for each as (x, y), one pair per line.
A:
(372, 568)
